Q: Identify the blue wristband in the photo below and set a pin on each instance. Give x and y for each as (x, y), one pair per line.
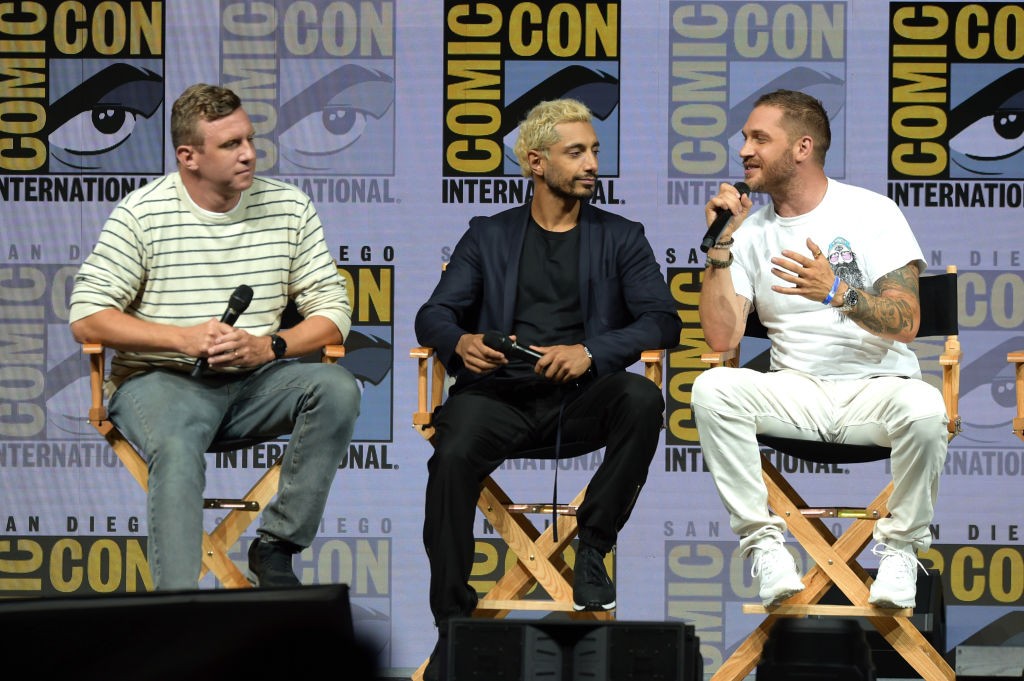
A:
(832, 293)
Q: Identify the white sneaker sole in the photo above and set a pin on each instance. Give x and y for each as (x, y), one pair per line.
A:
(891, 603)
(769, 602)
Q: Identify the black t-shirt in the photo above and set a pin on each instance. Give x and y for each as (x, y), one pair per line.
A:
(548, 310)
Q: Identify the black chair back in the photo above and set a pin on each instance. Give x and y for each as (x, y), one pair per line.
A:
(939, 314)
(939, 309)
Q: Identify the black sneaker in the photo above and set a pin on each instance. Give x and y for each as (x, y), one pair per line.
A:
(592, 589)
(270, 564)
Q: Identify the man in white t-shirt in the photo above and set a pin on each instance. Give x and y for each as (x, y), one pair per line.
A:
(832, 271)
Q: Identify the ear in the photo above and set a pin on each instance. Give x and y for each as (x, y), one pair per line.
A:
(536, 160)
(186, 155)
(804, 148)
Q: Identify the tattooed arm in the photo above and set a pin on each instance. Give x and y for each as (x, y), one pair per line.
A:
(895, 311)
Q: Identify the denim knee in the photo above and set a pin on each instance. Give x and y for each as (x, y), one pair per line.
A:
(337, 390)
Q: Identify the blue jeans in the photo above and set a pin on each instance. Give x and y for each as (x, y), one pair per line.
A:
(173, 419)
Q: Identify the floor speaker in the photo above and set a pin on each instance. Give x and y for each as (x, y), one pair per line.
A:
(929, 618)
(816, 649)
(531, 650)
(200, 634)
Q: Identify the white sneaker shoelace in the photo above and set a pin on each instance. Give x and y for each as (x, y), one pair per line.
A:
(766, 564)
(909, 558)
(776, 574)
(896, 581)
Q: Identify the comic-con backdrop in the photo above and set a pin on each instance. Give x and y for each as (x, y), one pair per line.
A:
(398, 117)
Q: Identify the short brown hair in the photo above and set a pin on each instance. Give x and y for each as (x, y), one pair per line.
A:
(802, 114)
(199, 102)
(537, 131)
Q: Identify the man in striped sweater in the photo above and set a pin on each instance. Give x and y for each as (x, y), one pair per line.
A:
(154, 289)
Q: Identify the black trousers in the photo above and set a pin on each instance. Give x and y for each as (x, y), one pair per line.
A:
(482, 426)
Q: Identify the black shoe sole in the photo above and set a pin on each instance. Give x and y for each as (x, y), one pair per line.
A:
(594, 607)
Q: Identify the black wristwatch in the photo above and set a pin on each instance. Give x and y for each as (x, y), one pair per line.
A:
(850, 299)
(278, 345)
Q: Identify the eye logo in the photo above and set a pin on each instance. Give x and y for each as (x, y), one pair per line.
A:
(829, 88)
(598, 89)
(987, 130)
(987, 386)
(107, 124)
(335, 123)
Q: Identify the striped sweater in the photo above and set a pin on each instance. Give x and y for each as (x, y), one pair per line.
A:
(163, 259)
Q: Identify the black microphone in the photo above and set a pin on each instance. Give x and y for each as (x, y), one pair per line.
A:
(719, 223)
(237, 303)
(511, 349)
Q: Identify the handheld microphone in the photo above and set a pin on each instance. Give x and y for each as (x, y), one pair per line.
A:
(511, 349)
(237, 303)
(719, 223)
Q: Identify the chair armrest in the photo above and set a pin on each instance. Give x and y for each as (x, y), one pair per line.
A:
(430, 384)
(97, 366)
(654, 365)
(729, 358)
(96, 353)
(1017, 358)
(431, 377)
(332, 353)
(949, 360)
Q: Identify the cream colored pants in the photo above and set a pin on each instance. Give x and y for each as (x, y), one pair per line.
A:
(732, 406)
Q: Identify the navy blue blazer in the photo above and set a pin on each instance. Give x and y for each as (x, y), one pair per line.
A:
(627, 306)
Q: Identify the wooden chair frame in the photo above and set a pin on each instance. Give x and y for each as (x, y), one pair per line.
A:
(1017, 359)
(835, 557)
(539, 558)
(241, 512)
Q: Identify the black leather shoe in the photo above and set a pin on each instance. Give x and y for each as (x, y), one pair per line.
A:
(270, 564)
(592, 589)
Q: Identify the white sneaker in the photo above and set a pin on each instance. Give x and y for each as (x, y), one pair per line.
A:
(775, 570)
(895, 585)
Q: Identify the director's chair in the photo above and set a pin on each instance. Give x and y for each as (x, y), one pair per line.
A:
(241, 512)
(835, 557)
(540, 559)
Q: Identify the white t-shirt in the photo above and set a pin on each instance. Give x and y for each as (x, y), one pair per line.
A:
(865, 236)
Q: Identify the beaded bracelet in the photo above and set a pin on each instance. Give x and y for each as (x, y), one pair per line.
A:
(719, 264)
(724, 244)
(832, 293)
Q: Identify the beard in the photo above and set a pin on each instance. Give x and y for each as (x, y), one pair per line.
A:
(567, 188)
(776, 176)
(850, 273)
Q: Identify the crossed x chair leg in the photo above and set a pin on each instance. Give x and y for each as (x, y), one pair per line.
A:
(540, 560)
(835, 563)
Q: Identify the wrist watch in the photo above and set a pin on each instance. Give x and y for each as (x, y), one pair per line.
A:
(850, 299)
(278, 345)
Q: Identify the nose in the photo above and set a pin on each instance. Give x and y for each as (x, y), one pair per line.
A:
(248, 150)
(745, 151)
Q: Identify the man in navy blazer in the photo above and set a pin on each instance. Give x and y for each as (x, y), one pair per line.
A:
(581, 288)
